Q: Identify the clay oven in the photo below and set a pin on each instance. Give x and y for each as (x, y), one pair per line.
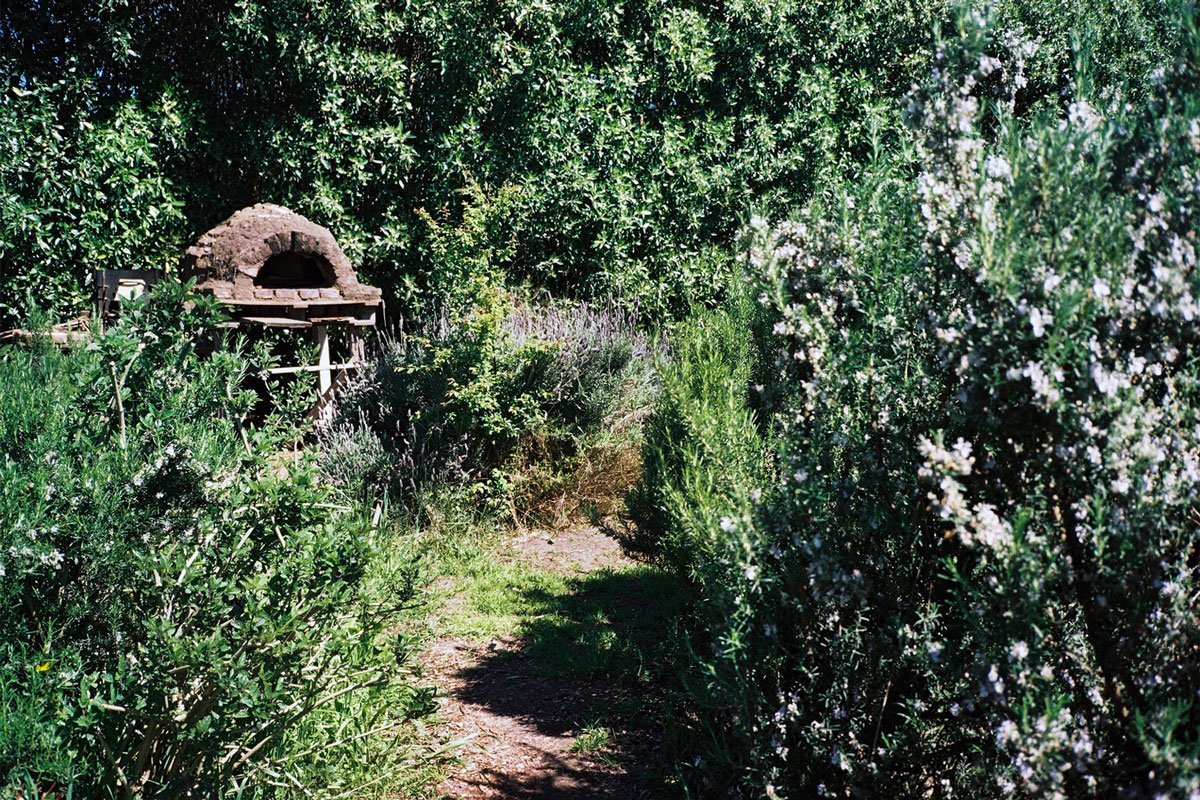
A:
(274, 268)
(266, 261)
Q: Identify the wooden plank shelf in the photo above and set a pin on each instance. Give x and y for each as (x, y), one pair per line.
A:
(277, 322)
(295, 322)
(356, 322)
(313, 368)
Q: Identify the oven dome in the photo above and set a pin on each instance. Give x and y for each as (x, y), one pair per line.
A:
(268, 254)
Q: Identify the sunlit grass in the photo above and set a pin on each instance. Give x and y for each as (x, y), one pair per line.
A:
(592, 739)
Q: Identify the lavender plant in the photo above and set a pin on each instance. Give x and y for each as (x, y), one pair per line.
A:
(479, 397)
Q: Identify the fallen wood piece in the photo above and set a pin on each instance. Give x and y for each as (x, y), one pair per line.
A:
(60, 336)
(277, 322)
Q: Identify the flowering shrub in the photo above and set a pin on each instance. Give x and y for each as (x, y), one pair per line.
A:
(1069, 504)
(175, 610)
(975, 574)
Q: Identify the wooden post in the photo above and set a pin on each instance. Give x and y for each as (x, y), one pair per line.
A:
(324, 373)
(358, 352)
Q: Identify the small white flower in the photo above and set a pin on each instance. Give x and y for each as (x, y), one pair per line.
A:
(998, 167)
(1037, 322)
(1083, 115)
(1107, 382)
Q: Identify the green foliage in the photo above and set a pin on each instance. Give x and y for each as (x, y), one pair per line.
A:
(593, 739)
(702, 455)
(485, 388)
(974, 571)
(636, 137)
(78, 193)
(465, 271)
(181, 613)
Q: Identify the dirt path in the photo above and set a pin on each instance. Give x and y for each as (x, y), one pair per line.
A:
(565, 705)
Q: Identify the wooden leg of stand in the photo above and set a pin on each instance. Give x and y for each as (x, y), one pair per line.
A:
(324, 373)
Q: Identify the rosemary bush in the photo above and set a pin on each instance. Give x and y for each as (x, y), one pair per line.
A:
(974, 571)
(702, 453)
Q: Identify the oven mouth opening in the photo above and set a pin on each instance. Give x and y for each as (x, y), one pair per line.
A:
(293, 270)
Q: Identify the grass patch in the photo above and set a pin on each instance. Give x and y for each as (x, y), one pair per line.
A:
(615, 623)
(592, 739)
(470, 592)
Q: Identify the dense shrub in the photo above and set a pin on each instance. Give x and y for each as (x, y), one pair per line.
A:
(503, 398)
(975, 572)
(702, 453)
(181, 615)
(640, 134)
(79, 194)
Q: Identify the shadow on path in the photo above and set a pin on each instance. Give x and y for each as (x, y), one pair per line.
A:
(574, 706)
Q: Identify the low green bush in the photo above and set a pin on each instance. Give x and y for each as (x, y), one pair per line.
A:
(182, 613)
(702, 453)
(478, 399)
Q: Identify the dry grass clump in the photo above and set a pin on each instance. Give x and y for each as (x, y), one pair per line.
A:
(592, 488)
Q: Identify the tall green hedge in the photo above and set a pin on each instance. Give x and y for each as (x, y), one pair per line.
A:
(640, 134)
